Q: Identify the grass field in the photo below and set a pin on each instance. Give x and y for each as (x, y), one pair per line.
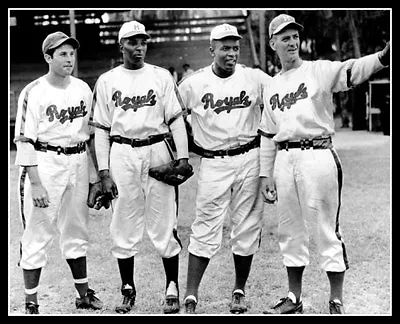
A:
(366, 225)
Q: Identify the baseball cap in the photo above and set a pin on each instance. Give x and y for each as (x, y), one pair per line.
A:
(132, 28)
(282, 21)
(224, 30)
(56, 39)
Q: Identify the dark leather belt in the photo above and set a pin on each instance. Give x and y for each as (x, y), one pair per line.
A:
(231, 152)
(305, 144)
(138, 142)
(44, 147)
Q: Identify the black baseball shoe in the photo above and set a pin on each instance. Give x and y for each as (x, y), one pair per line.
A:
(238, 304)
(190, 306)
(286, 306)
(129, 296)
(171, 304)
(336, 307)
(31, 308)
(89, 301)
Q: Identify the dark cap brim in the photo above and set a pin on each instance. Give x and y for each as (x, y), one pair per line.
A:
(70, 40)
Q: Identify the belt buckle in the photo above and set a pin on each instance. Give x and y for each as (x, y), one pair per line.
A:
(305, 144)
(60, 150)
(83, 147)
(80, 147)
(134, 141)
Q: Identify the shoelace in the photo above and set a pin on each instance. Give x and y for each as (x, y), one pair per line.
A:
(336, 306)
(282, 303)
(236, 298)
(191, 304)
(129, 296)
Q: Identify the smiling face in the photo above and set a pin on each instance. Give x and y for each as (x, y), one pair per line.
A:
(226, 54)
(134, 51)
(62, 62)
(286, 44)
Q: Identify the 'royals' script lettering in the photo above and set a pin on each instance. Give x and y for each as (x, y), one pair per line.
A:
(228, 103)
(66, 114)
(134, 102)
(289, 99)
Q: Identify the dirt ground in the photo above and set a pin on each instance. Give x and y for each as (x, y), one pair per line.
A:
(366, 219)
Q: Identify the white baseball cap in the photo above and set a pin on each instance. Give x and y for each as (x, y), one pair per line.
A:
(224, 30)
(132, 28)
(282, 21)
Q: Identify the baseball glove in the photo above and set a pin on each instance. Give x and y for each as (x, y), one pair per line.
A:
(172, 173)
(96, 198)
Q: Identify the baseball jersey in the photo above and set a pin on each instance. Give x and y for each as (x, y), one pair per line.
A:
(225, 112)
(53, 115)
(135, 103)
(299, 102)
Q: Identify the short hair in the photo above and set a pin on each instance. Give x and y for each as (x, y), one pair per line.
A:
(51, 51)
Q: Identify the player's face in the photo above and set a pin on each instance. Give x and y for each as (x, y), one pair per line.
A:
(134, 51)
(226, 54)
(63, 61)
(286, 44)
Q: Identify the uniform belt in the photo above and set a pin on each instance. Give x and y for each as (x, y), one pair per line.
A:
(305, 144)
(134, 142)
(44, 147)
(230, 152)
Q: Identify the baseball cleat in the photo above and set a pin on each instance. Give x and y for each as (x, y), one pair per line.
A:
(336, 307)
(286, 306)
(129, 296)
(89, 301)
(31, 308)
(190, 306)
(238, 305)
(171, 304)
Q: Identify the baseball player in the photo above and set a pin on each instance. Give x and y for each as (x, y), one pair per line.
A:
(135, 106)
(300, 168)
(224, 100)
(51, 134)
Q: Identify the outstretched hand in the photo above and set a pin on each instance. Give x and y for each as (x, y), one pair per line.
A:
(384, 55)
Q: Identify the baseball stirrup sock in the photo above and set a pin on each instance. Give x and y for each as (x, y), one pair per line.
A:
(172, 289)
(31, 291)
(191, 297)
(81, 281)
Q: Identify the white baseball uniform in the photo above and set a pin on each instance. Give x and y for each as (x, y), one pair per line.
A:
(298, 105)
(137, 104)
(59, 118)
(225, 114)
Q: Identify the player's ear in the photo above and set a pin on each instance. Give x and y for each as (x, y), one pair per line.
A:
(272, 43)
(212, 51)
(47, 58)
(121, 46)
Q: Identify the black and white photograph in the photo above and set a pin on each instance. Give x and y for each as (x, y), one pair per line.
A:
(200, 161)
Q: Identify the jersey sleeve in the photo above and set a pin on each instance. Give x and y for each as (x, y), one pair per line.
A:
(89, 100)
(26, 127)
(341, 76)
(172, 100)
(268, 126)
(101, 112)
